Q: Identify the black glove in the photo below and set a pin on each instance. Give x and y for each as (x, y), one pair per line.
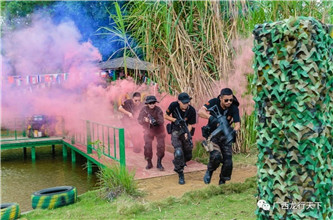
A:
(177, 122)
(205, 131)
(182, 122)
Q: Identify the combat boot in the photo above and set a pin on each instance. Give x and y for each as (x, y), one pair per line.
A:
(208, 177)
(181, 178)
(159, 164)
(149, 165)
(221, 182)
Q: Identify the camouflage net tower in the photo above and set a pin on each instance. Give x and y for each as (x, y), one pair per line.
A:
(294, 101)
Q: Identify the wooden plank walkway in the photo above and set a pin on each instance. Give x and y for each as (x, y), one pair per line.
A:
(20, 143)
(136, 161)
(82, 149)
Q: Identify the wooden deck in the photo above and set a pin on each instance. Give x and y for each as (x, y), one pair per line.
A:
(134, 161)
(7, 143)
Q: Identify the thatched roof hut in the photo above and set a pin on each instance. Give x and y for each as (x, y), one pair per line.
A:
(131, 63)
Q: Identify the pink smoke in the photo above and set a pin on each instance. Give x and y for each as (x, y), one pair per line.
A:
(237, 79)
(47, 48)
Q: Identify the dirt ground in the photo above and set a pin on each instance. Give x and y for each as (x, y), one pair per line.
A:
(162, 187)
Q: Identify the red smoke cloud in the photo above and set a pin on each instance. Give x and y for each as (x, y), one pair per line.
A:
(47, 48)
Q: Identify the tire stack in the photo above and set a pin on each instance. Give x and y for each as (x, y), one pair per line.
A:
(294, 102)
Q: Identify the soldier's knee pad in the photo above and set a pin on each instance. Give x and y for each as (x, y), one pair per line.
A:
(178, 153)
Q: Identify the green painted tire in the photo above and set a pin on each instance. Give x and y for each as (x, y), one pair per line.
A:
(54, 197)
(10, 211)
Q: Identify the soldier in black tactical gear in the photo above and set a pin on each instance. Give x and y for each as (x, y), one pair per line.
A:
(152, 120)
(219, 144)
(183, 117)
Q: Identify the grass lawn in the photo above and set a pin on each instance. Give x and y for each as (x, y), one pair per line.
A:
(230, 206)
(231, 201)
(246, 159)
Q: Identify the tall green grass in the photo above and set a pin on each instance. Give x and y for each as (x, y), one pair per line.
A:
(191, 40)
(246, 137)
(115, 180)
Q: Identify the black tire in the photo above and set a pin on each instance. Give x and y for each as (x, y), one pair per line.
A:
(10, 211)
(54, 197)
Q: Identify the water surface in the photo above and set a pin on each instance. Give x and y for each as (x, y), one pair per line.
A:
(20, 177)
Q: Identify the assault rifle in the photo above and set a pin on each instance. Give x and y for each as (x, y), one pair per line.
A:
(184, 128)
(152, 120)
(224, 132)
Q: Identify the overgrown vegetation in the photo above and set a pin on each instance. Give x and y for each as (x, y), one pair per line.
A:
(191, 42)
(116, 180)
(246, 137)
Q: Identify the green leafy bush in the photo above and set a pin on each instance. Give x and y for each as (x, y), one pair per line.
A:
(115, 180)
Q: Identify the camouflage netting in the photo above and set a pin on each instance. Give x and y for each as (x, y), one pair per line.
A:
(294, 101)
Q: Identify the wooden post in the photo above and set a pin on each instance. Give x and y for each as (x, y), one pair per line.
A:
(33, 154)
(25, 152)
(89, 147)
(73, 156)
(114, 77)
(15, 133)
(89, 167)
(64, 151)
(53, 150)
(122, 158)
(108, 141)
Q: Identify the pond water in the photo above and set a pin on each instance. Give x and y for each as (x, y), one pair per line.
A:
(20, 176)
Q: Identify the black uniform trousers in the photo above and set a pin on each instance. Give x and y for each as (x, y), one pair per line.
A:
(182, 150)
(224, 156)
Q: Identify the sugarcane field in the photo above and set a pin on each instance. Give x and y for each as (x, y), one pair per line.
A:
(215, 109)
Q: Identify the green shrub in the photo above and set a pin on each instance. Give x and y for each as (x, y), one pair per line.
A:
(115, 180)
(246, 138)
